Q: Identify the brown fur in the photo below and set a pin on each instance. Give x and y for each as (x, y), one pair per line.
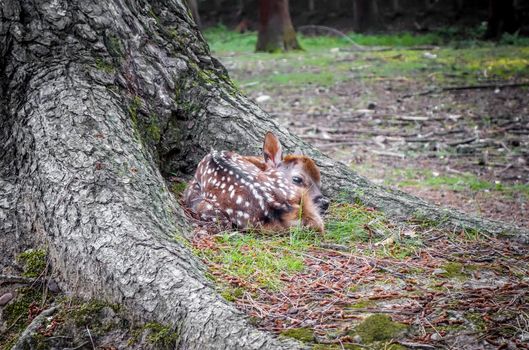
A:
(259, 192)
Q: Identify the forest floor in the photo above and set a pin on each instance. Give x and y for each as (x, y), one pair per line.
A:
(446, 122)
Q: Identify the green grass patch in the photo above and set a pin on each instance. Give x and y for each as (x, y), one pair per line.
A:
(458, 61)
(222, 39)
(350, 223)
(178, 188)
(303, 78)
(460, 182)
(259, 260)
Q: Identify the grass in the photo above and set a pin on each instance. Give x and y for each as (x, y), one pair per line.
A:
(350, 223)
(327, 61)
(460, 182)
(256, 259)
(262, 260)
(222, 39)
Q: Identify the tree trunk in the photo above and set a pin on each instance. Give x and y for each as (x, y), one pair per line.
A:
(98, 102)
(193, 7)
(396, 9)
(365, 15)
(311, 5)
(276, 32)
(502, 18)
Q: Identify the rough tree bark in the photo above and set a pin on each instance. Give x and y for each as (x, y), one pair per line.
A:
(276, 32)
(98, 103)
(193, 7)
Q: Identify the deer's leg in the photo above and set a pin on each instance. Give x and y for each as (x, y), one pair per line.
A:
(193, 195)
(209, 210)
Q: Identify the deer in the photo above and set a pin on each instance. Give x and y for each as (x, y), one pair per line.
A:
(268, 192)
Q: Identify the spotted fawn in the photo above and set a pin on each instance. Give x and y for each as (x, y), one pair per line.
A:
(269, 192)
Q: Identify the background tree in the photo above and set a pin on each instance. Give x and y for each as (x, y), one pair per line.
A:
(276, 32)
(366, 15)
(502, 18)
(99, 102)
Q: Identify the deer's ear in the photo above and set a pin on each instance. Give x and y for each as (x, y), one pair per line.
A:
(272, 152)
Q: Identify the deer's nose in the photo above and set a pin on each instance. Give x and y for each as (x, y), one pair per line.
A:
(323, 203)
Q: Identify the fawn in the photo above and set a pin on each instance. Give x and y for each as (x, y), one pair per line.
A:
(269, 192)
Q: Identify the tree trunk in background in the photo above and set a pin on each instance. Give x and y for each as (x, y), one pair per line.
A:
(193, 7)
(502, 18)
(366, 16)
(98, 102)
(276, 32)
(396, 9)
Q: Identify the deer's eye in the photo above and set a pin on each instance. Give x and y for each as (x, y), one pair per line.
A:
(297, 180)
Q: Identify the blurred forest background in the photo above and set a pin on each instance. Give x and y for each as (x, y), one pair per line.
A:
(429, 97)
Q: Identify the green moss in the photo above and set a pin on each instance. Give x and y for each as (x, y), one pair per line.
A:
(84, 313)
(34, 262)
(302, 334)
(378, 328)
(15, 315)
(454, 270)
(337, 347)
(153, 129)
(154, 15)
(133, 112)
(232, 294)
(163, 337)
(476, 318)
(114, 46)
(104, 66)
(362, 304)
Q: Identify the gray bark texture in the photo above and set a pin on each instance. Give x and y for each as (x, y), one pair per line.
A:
(99, 101)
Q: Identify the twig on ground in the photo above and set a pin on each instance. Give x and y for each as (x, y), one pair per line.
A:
(467, 87)
(334, 31)
(461, 142)
(415, 345)
(91, 340)
(16, 279)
